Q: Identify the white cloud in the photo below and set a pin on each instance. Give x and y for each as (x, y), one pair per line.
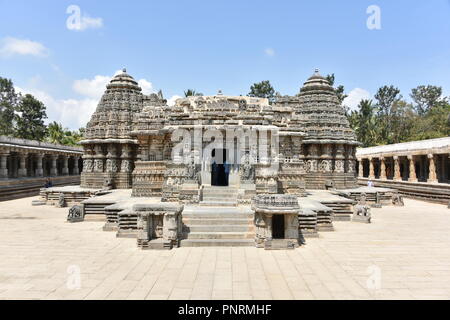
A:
(75, 113)
(171, 101)
(269, 51)
(355, 96)
(71, 113)
(14, 46)
(92, 88)
(146, 86)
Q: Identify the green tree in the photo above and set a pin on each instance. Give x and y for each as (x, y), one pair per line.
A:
(262, 89)
(386, 98)
(55, 133)
(30, 119)
(364, 123)
(192, 93)
(9, 100)
(426, 97)
(339, 89)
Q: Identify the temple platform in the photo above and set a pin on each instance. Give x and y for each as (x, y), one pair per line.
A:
(72, 194)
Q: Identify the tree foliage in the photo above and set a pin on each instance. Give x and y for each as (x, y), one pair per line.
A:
(59, 135)
(262, 89)
(393, 120)
(30, 119)
(9, 100)
(339, 89)
(192, 93)
(23, 117)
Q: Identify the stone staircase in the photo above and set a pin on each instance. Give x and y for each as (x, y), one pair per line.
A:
(218, 226)
(213, 196)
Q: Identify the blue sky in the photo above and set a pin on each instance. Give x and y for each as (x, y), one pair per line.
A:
(212, 45)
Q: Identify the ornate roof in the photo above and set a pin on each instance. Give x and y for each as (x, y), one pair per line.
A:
(117, 109)
(319, 112)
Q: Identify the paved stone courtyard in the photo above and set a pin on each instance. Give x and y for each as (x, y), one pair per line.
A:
(403, 254)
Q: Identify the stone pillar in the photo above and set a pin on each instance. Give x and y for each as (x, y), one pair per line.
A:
(22, 172)
(397, 176)
(65, 169)
(412, 169)
(54, 168)
(98, 159)
(432, 177)
(3, 166)
(39, 168)
(339, 164)
(371, 169)
(361, 168)
(76, 170)
(325, 162)
(383, 168)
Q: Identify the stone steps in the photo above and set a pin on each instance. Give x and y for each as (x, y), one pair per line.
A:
(219, 196)
(199, 221)
(217, 243)
(218, 203)
(218, 226)
(221, 228)
(220, 235)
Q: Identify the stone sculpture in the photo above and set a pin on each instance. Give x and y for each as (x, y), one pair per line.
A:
(75, 214)
(61, 201)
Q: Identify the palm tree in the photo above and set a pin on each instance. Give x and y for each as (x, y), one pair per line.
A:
(55, 133)
(192, 93)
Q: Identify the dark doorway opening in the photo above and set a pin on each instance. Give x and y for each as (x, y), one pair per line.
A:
(278, 226)
(220, 168)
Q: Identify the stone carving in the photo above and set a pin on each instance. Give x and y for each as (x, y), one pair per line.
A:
(125, 166)
(61, 201)
(339, 166)
(247, 171)
(107, 184)
(361, 213)
(325, 166)
(191, 171)
(75, 214)
(397, 200)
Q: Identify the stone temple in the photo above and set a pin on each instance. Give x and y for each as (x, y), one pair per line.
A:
(220, 170)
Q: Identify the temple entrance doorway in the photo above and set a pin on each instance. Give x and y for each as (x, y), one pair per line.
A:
(220, 168)
(278, 226)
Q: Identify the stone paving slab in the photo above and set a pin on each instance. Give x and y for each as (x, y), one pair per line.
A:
(403, 254)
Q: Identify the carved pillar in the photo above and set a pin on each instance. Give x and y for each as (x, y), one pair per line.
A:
(371, 169)
(339, 164)
(98, 159)
(22, 172)
(111, 159)
(3, 166)
(65, 169)
(76, 170)
(326, 164)
(39, 168)
(383, 169)
(361, 168)
(412, 169)
(397, 176)
(54, 168)
(125, 159)
(311, 164)
(432, 177)
(351, 160)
